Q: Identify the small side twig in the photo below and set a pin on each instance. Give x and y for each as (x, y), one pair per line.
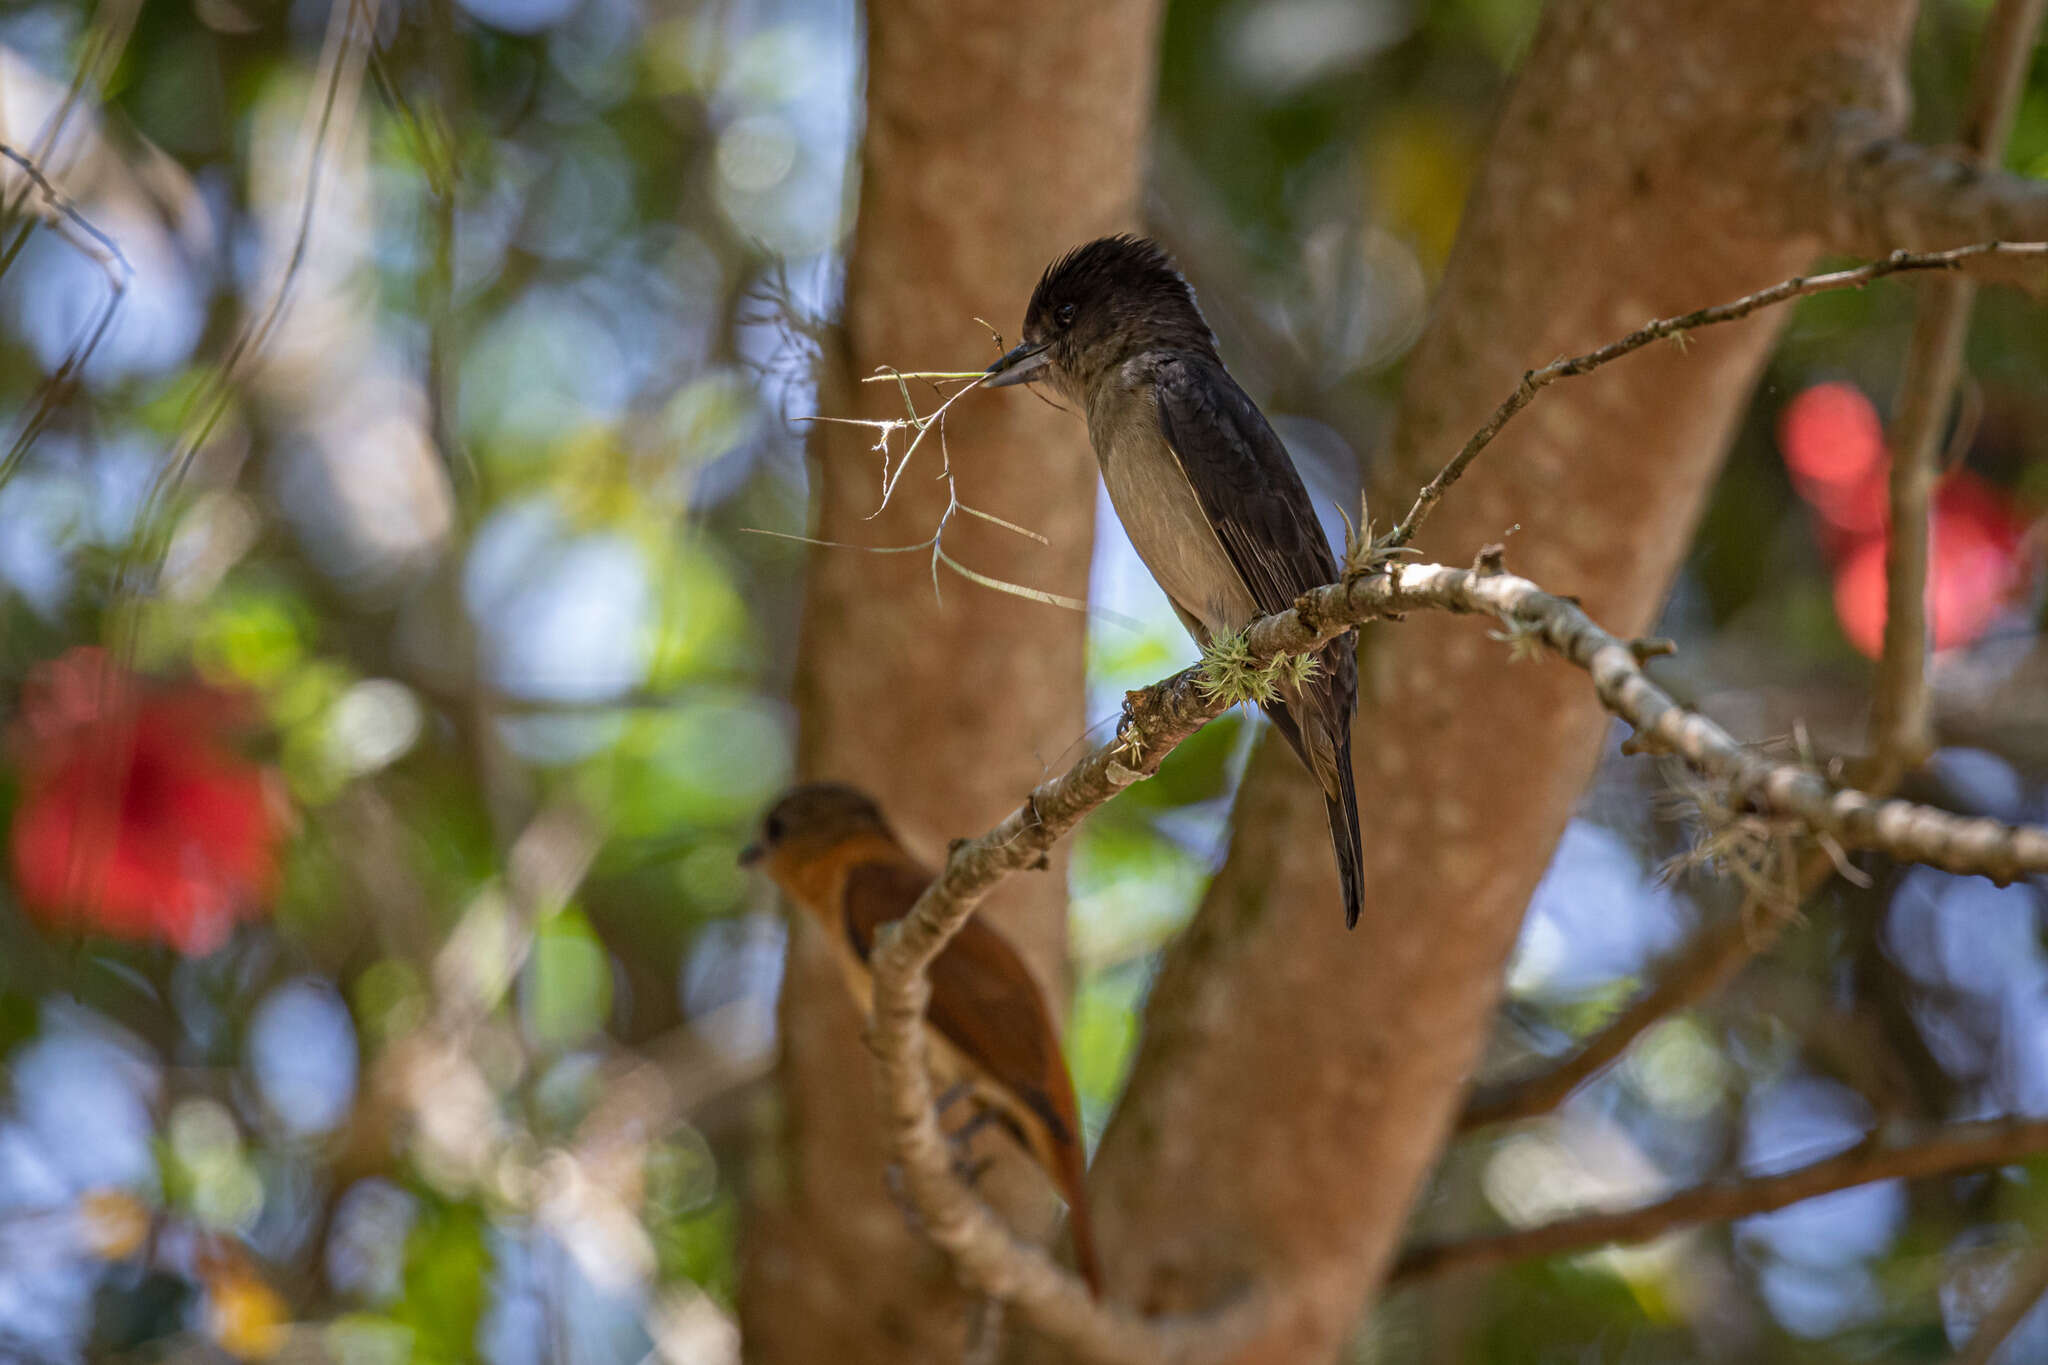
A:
(1535, 381)
(108, 38)
(79, 232)
(1713, 959)
(1901, 735)
(923, 425)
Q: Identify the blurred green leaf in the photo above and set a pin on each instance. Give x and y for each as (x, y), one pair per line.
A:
(446, 1265)
(565, 991)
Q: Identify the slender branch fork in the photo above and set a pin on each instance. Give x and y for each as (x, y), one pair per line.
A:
(1934, 365)
(1673, 328)
(96, 246)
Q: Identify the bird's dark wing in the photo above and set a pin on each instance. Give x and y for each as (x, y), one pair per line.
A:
(985, 1001)
(1244, 480)
(1252, 494)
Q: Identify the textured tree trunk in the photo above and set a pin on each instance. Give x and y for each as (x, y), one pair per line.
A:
(1296, 1083)
(998, 134)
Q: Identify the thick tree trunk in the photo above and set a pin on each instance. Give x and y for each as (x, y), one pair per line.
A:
(1295, 1082)
(998, 134)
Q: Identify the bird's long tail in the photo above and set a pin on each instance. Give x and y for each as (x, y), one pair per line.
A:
(1316, 722)
(1342, 808)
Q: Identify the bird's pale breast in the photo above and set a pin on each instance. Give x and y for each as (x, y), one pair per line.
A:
(1161, 514)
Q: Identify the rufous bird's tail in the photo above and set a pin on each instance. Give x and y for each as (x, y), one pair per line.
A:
(1073, 1175)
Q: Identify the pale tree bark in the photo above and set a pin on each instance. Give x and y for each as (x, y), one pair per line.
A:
(997, 136)
(1295, 1083)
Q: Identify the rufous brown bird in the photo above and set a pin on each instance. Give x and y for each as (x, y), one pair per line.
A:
(829, 848)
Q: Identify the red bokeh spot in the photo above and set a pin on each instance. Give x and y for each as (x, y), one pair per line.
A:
(137, 817)
(1833, 443)
(1975, 568)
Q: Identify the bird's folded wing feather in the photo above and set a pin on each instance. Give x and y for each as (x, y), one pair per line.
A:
(1244, 480)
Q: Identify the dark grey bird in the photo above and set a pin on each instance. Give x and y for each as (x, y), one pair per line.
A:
(1205, 490)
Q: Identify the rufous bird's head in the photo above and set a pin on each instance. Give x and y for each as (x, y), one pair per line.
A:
(814, 824)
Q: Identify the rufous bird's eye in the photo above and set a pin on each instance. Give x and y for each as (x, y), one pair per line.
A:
(1065, 315)
(772, 830)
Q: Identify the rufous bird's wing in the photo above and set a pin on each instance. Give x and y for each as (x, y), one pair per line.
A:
(988, 1005)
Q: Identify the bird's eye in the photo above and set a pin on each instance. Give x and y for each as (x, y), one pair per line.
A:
(773, 829)
(1065, 315)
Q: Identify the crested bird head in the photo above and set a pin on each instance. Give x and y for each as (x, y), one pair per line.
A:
(1096, 307)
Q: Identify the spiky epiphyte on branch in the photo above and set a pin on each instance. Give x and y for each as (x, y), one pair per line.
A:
(1232, 671)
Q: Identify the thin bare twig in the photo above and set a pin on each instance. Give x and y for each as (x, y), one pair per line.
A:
(1866, 190)
(1959, 1148)
(1713, 959)
(923, 424)
(78, 231)
(1901, 736)
(1534, 381)
(351, 34)
(109, 39)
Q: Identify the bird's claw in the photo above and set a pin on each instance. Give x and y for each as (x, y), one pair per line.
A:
(966, 1169)
(1130, 744)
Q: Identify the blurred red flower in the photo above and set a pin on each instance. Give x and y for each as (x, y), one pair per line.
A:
(1833, 443)
(137, 817)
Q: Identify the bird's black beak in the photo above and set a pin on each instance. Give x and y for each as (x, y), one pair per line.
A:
(1023, 365)
(751, 854)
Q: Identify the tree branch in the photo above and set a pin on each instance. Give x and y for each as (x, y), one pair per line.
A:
(103, 251)
(1959, 1148)
(1710, 961)
(1534, 381)
(1874, 191)
(1900, 732)
(1901, 735)
(992, 1259)
(1713, 959)
(1001, 1266)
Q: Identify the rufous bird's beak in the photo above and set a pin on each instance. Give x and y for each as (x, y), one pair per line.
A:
(751, 854)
